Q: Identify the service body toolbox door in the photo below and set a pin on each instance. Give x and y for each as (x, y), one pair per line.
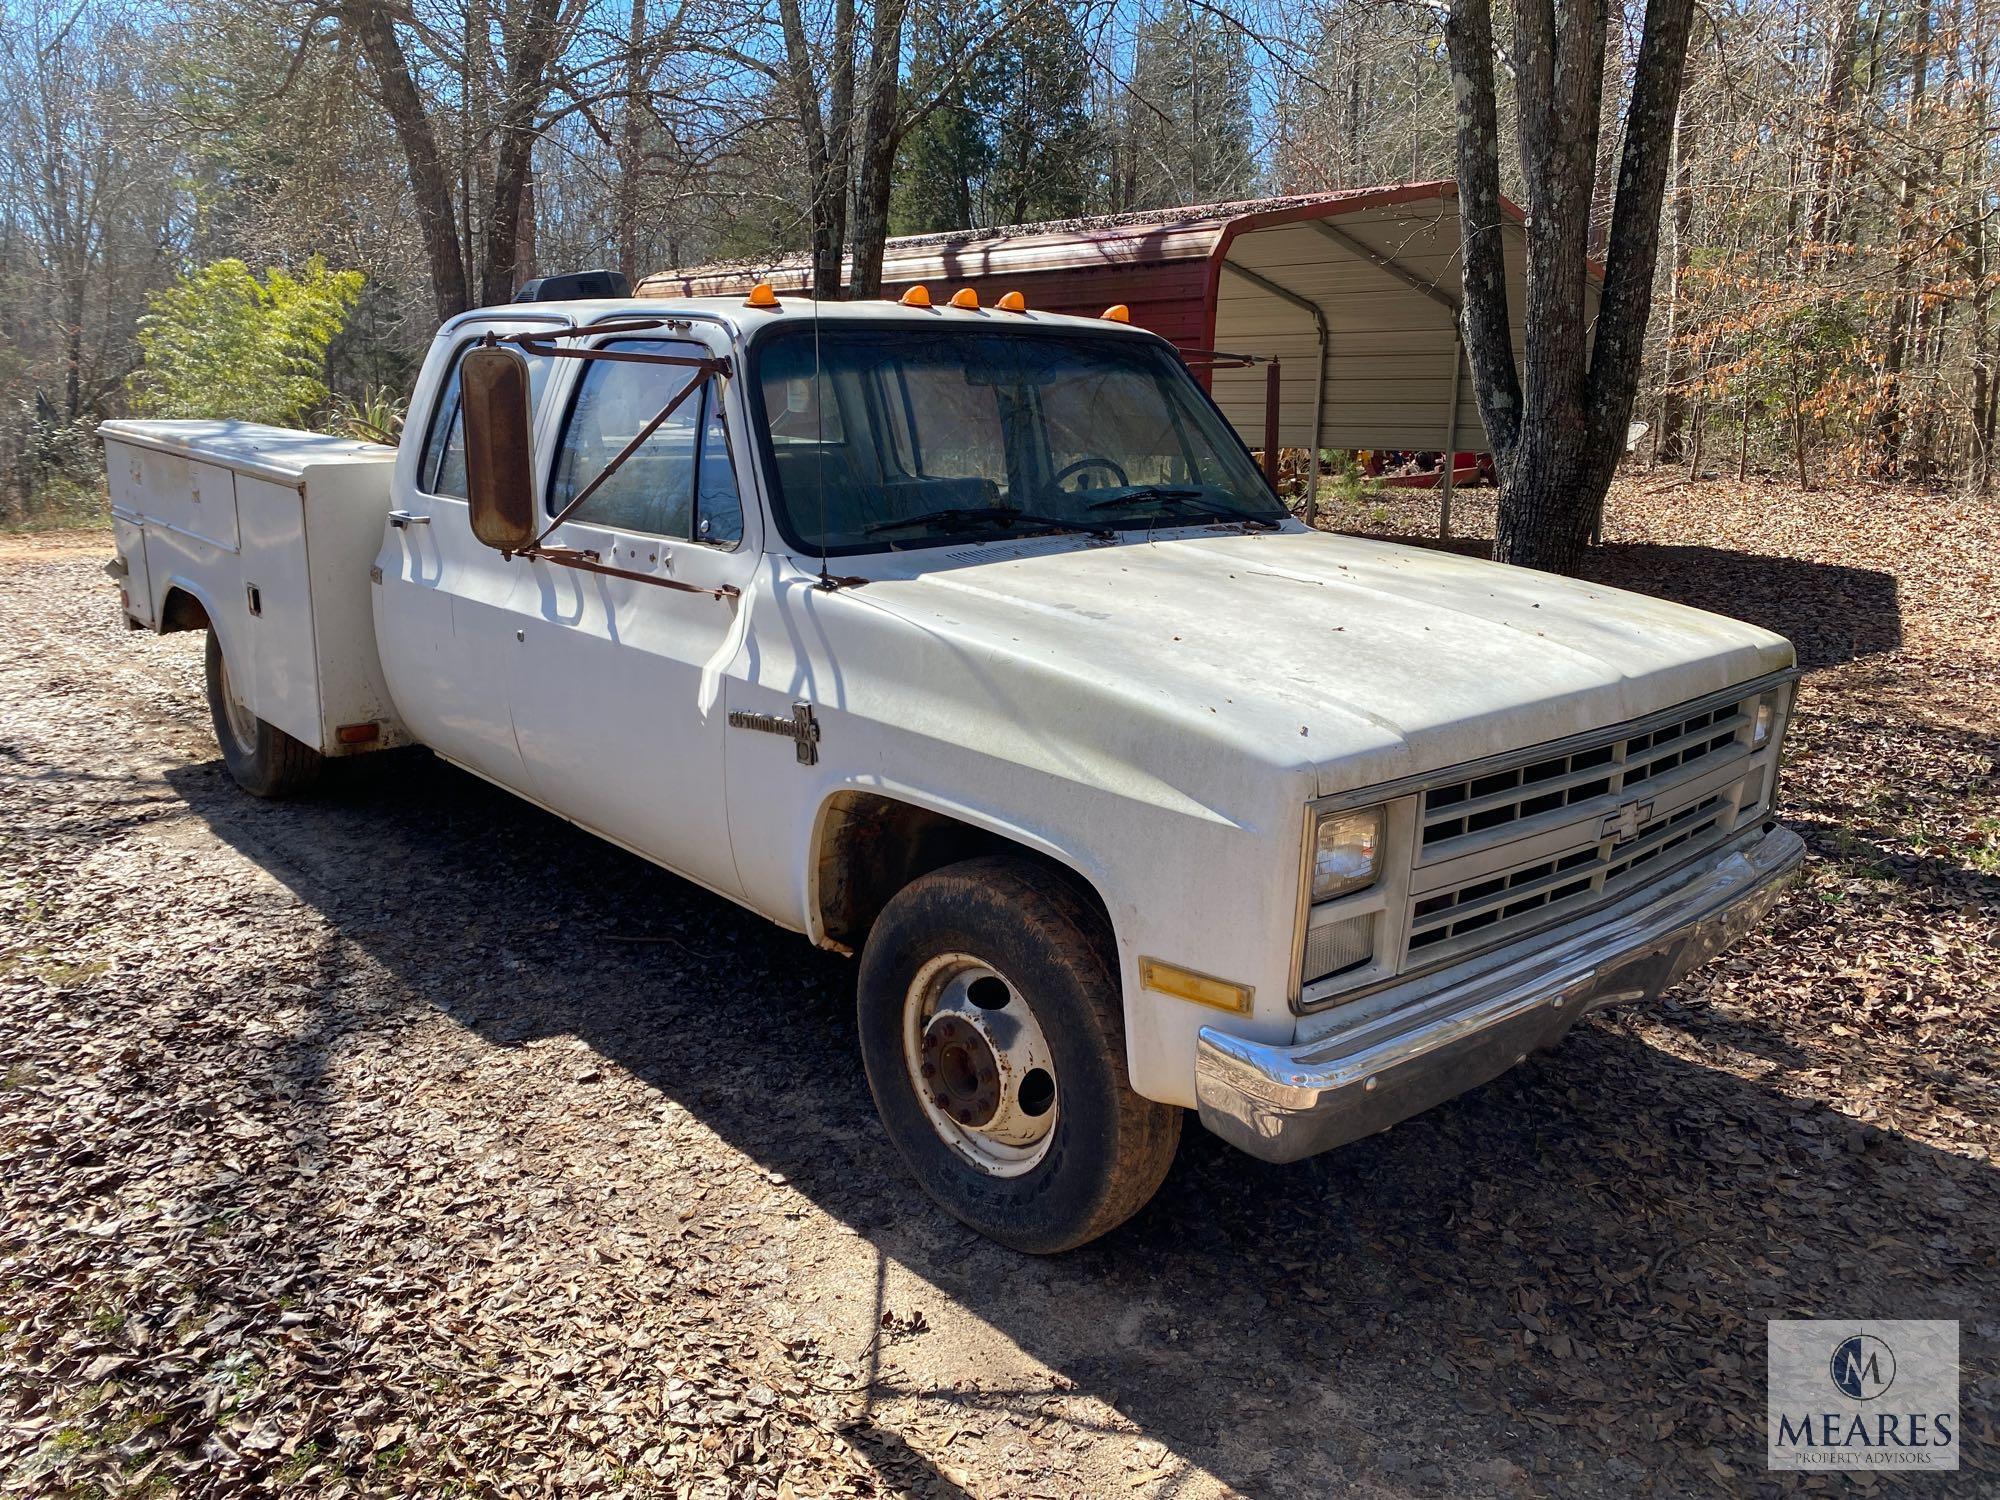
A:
(276, 658)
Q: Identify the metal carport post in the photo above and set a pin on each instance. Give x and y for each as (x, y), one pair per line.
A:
(1387, 263)
(1319, 375)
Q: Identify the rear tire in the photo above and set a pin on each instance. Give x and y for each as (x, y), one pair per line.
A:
(992, 1030)
(264, 760)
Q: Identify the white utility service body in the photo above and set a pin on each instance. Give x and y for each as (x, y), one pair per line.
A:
(1544, 794)
(269, 535)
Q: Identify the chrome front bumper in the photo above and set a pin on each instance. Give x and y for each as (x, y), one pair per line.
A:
(1282, 1103)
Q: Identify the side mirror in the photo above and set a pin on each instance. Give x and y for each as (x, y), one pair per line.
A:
(499, 459)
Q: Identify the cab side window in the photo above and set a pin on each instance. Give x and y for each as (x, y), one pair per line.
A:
(441, 470)
(680, 481)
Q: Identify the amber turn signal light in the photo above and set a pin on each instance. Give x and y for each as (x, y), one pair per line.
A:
(1202, 989)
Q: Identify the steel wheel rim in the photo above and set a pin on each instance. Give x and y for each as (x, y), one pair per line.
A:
(996, 1110)
(240, 722)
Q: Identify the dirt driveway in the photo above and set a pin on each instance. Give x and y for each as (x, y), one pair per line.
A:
(408, 1141)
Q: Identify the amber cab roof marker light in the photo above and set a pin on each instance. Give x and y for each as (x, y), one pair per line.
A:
(1012, 302)
(967, 298)
(1118, 312)
(761, 295)
(916, 296)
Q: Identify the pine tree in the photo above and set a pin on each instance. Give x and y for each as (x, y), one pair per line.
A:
(1188, 110)
(1041, 132)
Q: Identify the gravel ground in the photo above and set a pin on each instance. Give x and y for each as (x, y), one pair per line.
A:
(406, 1141)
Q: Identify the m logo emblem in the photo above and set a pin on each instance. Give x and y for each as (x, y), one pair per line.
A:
(1624, 825)
(1862, 1367)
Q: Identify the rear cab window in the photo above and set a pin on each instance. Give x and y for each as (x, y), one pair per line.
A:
(441, 468)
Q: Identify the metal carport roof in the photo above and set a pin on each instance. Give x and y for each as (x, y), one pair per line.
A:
(1366, 280)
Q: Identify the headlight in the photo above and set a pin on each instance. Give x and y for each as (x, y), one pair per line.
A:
(1347, 852)
(1767, 715)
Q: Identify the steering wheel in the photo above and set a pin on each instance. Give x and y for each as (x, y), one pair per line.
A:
(1087, 462)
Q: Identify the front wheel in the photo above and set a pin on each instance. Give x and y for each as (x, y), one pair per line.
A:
(993, 1036)
(264, 760)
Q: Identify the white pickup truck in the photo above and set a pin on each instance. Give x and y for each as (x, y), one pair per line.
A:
(973, 642)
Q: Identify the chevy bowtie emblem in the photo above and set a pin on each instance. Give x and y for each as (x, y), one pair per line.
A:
(1624, 824)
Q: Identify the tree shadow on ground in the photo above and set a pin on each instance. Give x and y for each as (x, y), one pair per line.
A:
(1556, 1283)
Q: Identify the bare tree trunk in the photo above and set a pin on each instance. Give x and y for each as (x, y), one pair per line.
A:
(1674, 384)
(631, 146)
(73, 299)
(1557, 432)
(1489, 340)
(530, 48)
(429, 184)
(825, 135)
(1799, 430)
(1978, 257)
(1983, 384)
(525, 257)
(1889, 412)
(875, 153)
(1834, 144)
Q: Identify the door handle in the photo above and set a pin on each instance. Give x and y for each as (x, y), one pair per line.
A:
(402, 518)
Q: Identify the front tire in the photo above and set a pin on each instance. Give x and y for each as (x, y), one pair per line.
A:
(264, 760)
(992, 1032)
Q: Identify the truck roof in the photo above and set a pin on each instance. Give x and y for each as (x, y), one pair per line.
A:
(791, 307)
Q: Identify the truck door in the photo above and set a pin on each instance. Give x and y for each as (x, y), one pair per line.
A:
(617, 682)
(444, 603)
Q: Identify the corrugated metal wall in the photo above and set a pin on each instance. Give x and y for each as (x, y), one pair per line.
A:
(1390, 346)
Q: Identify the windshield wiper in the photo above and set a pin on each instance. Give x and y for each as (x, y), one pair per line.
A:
(965, 517)
(1194, 500)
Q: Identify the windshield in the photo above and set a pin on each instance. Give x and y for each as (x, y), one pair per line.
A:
(915, 439)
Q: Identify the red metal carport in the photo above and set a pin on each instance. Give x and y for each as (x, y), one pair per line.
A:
(1355, 292)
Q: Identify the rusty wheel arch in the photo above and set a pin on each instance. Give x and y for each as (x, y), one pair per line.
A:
(181, 610)
(870, 846)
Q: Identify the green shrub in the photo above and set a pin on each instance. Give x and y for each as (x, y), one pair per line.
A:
(219, 343)
(374, 416)
(1350, 481)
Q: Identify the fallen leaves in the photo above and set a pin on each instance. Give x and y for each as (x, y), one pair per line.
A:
(316, 1177)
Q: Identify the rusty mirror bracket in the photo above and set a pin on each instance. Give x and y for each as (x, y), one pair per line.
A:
(541, 342)
(1212, 360)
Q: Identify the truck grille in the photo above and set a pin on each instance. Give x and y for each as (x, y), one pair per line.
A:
(1521, 846)
(1626, 766)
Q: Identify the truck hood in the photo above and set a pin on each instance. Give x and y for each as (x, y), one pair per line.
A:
(1363, 660)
